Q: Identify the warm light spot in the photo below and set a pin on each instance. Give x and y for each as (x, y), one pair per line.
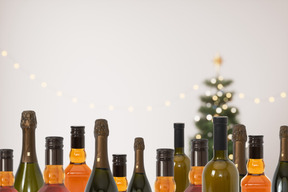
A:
(220, 86)
(214, 98)
(213, 81)
(241, 95)
(167, 103)
(218, 110)
(257, 100)
(74, 100)
(271, 99)
(231, 156)
(16, 66)
(219, 93)
(197, 118)
(196, 87)
(131, 109)
(182, 95)
(207, 93)
(149, 108)
(228, 95)
(111, 108)
(198, 136)
(224, 107)
(4, 53)
(233, 110)
(43, 84)
(59, 93)
(92, 106)
(221, 78)
(32, 76)
(229, 136)
(209, 134)
(209, 117)
(283, 95)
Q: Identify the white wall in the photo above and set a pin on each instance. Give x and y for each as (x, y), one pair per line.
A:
(139, 53)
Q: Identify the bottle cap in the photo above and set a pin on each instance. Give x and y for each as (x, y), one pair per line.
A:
(139, 144)
(220, 120)
(239, 133)
(165, 163)
(54, 142)
(119, 165)
(28, 120)
(77, 137)
(256, 146)
(199, 152)
(101, 128)
(6, 160)
(178, 135)
(199, 144)
(54, 151)
(284, 131)
(220, 132)
(164, 154)
(256, 140)
(119, 158)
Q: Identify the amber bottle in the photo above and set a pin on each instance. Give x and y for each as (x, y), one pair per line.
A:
(255, 180)
(6, 171)
(77, 172)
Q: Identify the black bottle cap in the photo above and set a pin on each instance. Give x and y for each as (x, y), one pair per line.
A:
(256, 146)
(6, 160)
(220, 133)
(54, 151)
(77, 137)
(199, 152)
(119, 165)
(178, 135)
(165, 162)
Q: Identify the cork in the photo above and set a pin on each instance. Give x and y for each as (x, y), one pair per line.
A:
(101, 128)
(239, 133)
(28, 120)
(139, 144)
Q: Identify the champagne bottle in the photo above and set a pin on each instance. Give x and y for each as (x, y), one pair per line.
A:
(139, 181)
(77, 172)
(280, 179)
(199, 158)
(165, 171)
(239, 138)
(220, 174)
(181, 161)
(28, 177)
(54, 173)
(6, 171)
(101, 178)
(119, 172)
(255, 180)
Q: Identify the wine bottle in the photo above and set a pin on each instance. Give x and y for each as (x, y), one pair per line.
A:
(77, 172)
(101, 178)
(28, 177)
(280, 178)
(139, 181)
(255, 180)
(6, 171)
(165, 171)
(181, 161)
(220, 174)
(239, 138)
(54, 173)
(119, 172)
(199, 158)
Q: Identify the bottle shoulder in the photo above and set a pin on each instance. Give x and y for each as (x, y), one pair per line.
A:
(139, 182)
(77, 169)
(181, 158)
(220, 168)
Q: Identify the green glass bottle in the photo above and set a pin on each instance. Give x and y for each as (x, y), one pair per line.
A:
(220, 174)
(280, 178)
(28, 177)
(239, 137)
(139, 181)
(181, 161)
(101, 179)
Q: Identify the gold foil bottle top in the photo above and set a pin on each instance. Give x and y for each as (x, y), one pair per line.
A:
(28, 120)
(139, 144)
(239, 133)
(284, 131)
(101, 128)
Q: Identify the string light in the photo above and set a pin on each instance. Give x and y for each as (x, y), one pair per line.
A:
(131, 109)
(214, 98)
(44, 84)
(233, 110)
(182, 95)
(228, 95)
(207, 93)
(198, 136)
(167, 103)
(213, 81)
(197, 118)
(271, 99)
(219, 93)
(111, 108)
(196, 87)
(32, 76)
(59, 93)
(209, 117)
(241, 95)
(16, 66)
(283, 95)
(220, 86)
(224, 107)
(229, 136)
(257, 100)
(91, 105)
(74, 100)
(149, 108)
(209, 134)
(4, 53)
(221, 78)
(218, 110)
(231, 156)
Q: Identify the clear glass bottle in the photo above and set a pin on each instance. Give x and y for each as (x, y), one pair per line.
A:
(256, 180)
(181, 161)
(54, 173)
(119, 172)
(199, 158)
(165, 171)
(77, 172)
(6, 171)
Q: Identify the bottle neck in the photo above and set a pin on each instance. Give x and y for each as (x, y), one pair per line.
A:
(239, 156)
(77, 156)
(179, 140)
(220, 155)
(54, 174)
(6, 178)
(255, 166)
(28, 146)
(101, 154)
(284, 149)
(179, 151)
(165, 168)
(195, 175)
(139, 161)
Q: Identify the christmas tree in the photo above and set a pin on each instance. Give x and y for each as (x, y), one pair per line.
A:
(215, 102)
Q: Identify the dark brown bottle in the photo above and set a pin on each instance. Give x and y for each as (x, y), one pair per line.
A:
(239, 137)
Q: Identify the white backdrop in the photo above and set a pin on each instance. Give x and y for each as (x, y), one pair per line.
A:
(139, 53)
